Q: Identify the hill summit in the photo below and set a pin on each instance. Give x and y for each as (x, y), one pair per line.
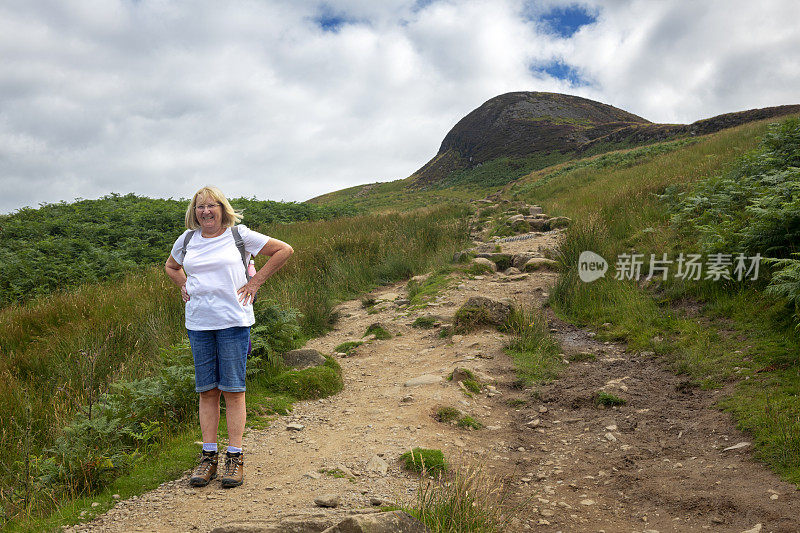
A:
(528, 124)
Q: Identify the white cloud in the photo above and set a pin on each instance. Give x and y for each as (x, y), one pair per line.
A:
(160, 98)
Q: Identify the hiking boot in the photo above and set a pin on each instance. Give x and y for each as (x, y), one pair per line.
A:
(234, 470)
(205, 471)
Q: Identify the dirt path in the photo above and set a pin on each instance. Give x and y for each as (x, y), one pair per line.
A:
(658, 463)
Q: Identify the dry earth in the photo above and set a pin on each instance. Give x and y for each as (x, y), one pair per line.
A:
(665, 461)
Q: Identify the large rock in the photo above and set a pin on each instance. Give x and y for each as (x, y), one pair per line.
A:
(307, 524)
(393, 522)
(492, 312)
(327, 500)
(377, 465)
(425, 379)
(487, 262)
(303, 358)
(501, 260)
(519, 260)
(559, 222)
(539, 225)
(540, 263)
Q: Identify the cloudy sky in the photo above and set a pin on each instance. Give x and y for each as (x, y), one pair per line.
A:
(288, 100)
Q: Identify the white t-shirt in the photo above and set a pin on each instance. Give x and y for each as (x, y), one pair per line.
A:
(215, 271)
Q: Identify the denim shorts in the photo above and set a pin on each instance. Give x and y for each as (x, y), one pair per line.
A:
(220, 358)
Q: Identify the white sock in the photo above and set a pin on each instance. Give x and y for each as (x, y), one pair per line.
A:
(234, 449)
(209, 446)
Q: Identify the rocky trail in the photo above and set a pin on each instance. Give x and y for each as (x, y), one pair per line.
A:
(665, 461)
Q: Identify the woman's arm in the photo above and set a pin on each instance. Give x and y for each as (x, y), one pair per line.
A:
(279, 252)
(177, 275)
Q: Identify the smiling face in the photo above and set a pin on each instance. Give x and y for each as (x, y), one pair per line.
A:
(209, 215)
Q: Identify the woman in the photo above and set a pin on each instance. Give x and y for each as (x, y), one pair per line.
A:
(207, 264)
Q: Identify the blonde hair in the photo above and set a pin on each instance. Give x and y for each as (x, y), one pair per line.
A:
(229, 216)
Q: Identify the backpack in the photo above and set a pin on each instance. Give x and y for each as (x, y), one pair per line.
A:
(239, 244)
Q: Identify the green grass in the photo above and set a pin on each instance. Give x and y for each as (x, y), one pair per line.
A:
(451, 415)
(447, 414)
(171, 458)
(347, 347)
(309, 383)
(379, 332)
(124, 325)
(468, 499)
(605, 399)
(467, 422)
(425, 322)
(478, 269)
(716, 334)
(469, 318)
(429, 461)
(177, 454)
(472, 385)
(419, 294)
(534, 352)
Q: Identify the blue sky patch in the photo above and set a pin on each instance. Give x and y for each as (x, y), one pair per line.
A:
(566, 21)
(560, 70)
(329, 20)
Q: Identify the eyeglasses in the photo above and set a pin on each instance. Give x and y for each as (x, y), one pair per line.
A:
(206, 206)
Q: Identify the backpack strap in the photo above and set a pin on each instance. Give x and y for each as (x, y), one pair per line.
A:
(185, 244)
(237, 238)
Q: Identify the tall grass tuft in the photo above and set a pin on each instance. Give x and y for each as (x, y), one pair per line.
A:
(468, 499)
(535, 352)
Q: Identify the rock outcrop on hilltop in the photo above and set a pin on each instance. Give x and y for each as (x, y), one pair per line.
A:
(525, 124)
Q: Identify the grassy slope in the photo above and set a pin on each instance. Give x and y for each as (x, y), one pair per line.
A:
(738, 339)
(129, 323)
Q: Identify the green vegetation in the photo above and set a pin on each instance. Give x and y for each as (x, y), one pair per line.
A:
(335, 473)
(397, 195)
(61, 246)
(581, 356)
(612, 160)
(732, 192)
(309, 383)
(503, 170)
(447, 414)
(605, 399)
(425, 322)
(379, 332)
(424, 460)
(465, 500)
(534, 351)
(347, 347)
(478, 269)
(467, 422)
(419, 294)
(472, 385)
(451, 415)
(61, 353)
(469, 318)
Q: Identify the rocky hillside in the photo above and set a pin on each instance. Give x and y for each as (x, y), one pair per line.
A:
(528, 124)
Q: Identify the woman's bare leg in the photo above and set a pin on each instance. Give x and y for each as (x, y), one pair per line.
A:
(236, 415)
(209, 414)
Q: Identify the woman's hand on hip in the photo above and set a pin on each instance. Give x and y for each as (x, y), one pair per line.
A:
(184, 294)
(247, 294)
